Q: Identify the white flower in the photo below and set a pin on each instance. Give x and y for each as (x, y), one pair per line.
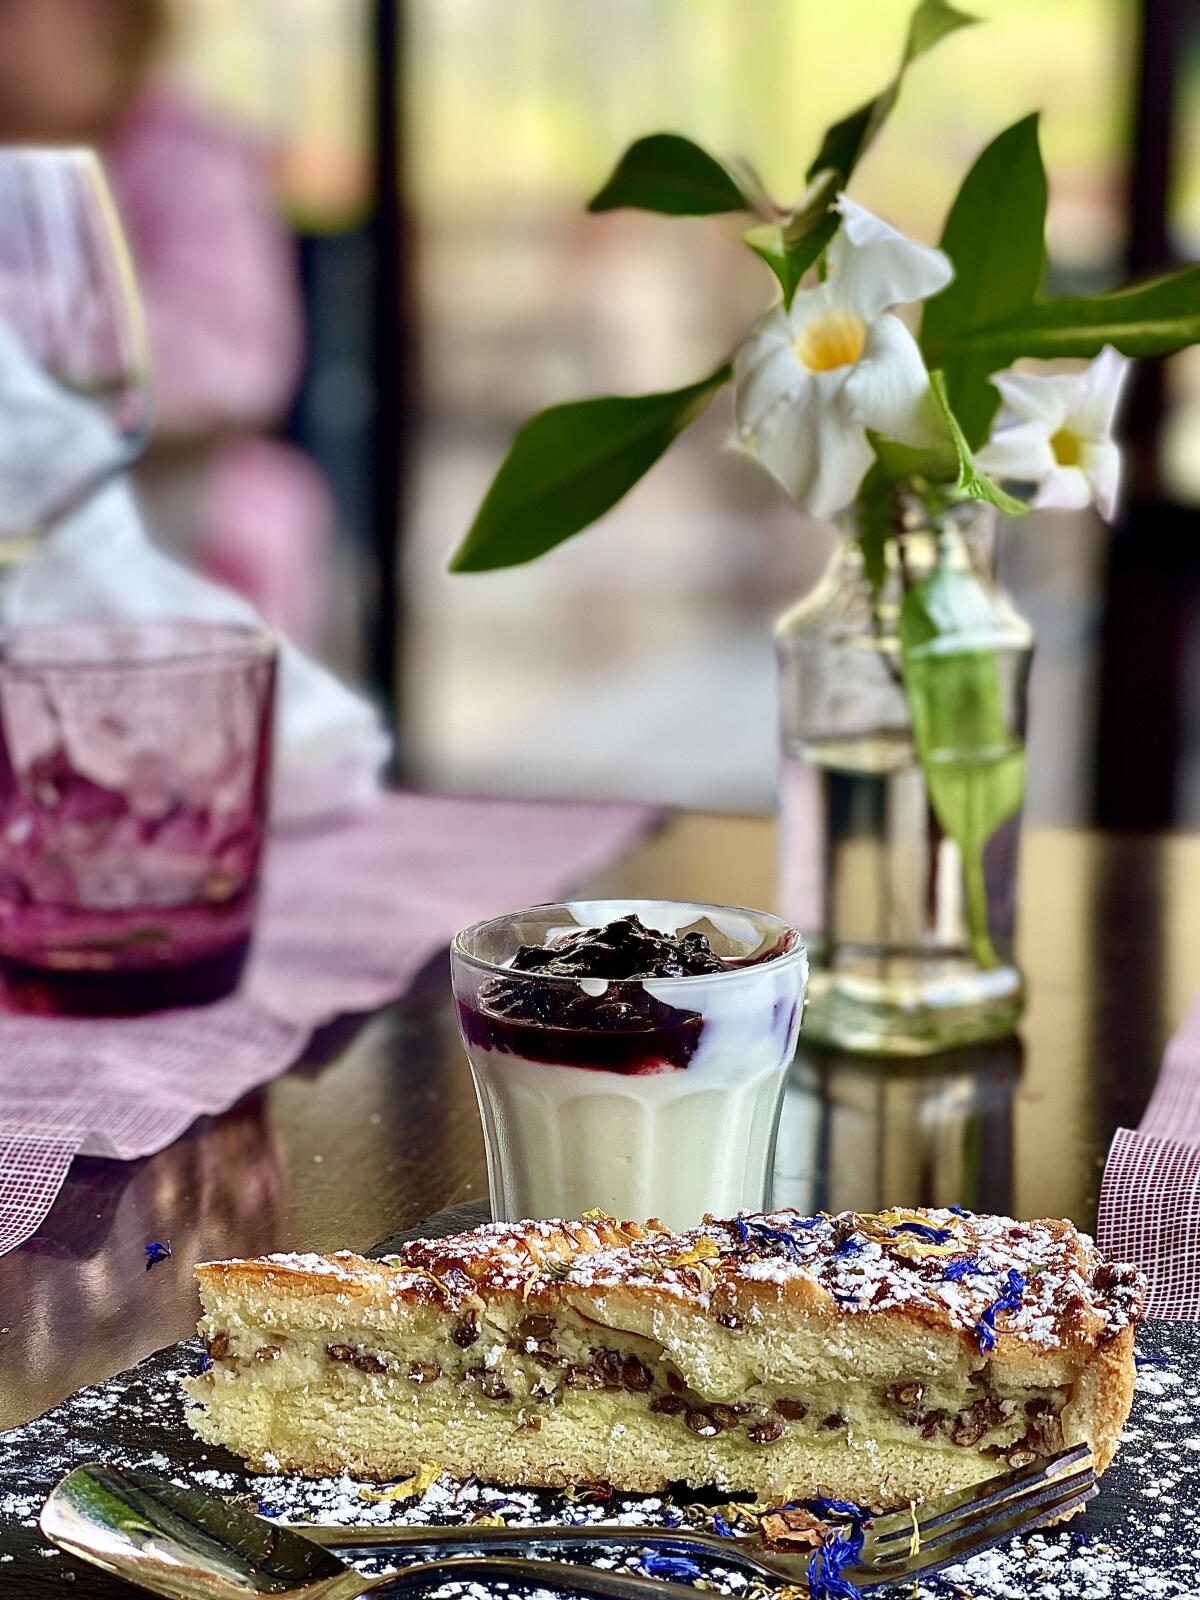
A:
(1062, 440)
(810, 381)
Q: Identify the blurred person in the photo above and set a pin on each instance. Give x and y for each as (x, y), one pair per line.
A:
(218, 282)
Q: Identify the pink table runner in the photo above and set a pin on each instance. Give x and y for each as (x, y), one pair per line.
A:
(349, 917)
(1150, 1195)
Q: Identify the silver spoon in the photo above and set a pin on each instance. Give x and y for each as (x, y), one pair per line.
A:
(188, 1545)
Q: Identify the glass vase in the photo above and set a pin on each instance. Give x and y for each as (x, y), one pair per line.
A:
(907, 914)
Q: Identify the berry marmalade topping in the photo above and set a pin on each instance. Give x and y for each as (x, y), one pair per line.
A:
(623, 1030)
(625, 948)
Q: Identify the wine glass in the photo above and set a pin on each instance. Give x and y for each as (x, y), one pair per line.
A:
(74, 365)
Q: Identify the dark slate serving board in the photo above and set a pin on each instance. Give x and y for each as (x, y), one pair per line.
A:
(1138, 1538)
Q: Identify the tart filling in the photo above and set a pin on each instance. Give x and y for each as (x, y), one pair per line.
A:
(543, 1365)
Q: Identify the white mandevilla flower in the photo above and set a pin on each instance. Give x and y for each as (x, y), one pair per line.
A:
(810, 381)
(1062, 438)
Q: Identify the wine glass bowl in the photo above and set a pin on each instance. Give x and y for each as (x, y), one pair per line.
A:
(74, 363)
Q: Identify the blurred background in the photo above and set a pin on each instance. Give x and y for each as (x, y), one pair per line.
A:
(360, 232)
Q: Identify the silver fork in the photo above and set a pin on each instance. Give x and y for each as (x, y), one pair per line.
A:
(897, 1546)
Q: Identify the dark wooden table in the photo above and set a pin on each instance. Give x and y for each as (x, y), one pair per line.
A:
(378, 1127)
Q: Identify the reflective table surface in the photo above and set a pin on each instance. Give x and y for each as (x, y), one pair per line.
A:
(378, 1126)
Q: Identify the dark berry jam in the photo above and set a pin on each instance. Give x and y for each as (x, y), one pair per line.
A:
(625, 948)
(626, 1031)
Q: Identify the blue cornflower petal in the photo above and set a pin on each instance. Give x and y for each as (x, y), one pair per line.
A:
(156, 1252)
(1009, 1300)
(675, 1569)
(763, 1233)
(822, 1507)
(721, 1526)
(264, 1510)
(205, 1361)
(743, 1232)
(841, 1549)
(851, 1246)
(923, 1231)
(960, 1211)
(958, 1270)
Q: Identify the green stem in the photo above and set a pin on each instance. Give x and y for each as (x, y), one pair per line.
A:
(977, 909)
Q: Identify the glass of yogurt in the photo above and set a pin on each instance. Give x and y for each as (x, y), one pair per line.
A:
(629, 1055)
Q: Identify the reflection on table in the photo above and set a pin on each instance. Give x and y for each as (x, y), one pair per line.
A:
(863, 1134)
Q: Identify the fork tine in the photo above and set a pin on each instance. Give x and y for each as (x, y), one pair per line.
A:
(898, 1524)
(965, 1525)
(950, 1552)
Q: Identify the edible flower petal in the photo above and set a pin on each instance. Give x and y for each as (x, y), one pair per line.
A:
(924, 1231)
(837, 1508)
(424, 1478)
(1009, 1300)
(156, 1252)
(675, 1569)
(958, 1270)
(783, 1238)
(841, 1549)
(704, 1249)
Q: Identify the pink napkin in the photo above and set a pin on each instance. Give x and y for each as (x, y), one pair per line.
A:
(349, 916)
(1150, 1195)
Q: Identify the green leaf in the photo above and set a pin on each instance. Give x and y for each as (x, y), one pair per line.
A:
(995, 236)
(766, 240)
(1149, 319)
(791, 246)
(844, 143)
(974, 765)
(896, 462)
(929, 25)
(971, 482)
(569, 465)
(667, 173)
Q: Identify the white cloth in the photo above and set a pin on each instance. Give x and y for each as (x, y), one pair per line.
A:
(99, 562)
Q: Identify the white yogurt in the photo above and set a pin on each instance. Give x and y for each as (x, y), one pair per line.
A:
(671, 1144)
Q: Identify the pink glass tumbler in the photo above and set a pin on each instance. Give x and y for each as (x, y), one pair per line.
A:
(135, 762)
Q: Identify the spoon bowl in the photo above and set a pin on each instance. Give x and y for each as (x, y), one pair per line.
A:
(187, 1545)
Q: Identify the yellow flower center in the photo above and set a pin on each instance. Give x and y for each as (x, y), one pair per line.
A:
(1067, 450)
(835, 339)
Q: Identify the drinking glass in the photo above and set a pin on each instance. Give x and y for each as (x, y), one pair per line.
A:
(647, 1097)
(74, 368)
(134, 776)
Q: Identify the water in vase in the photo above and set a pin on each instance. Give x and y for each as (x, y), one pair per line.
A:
(878, 891)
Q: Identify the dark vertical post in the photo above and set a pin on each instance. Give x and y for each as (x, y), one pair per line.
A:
(1147, 240)
(390, 362)
(1153, 574)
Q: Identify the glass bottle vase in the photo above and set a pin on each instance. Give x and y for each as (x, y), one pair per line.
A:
(909, 927)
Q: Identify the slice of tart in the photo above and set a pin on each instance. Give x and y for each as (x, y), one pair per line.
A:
(879, 1359)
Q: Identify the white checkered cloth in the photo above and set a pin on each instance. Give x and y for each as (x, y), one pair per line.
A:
(1150, 1195)
(349, 916)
